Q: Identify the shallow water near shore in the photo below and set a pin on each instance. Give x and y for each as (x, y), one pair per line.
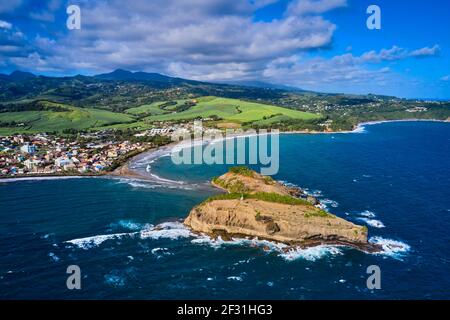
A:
(127, 238)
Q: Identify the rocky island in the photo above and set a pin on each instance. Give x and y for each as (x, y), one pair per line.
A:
(257, 206)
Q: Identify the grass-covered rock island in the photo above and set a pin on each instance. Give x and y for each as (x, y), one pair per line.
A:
(257, 206)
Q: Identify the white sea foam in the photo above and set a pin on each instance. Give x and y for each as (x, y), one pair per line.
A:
(136, 184)
(372, 222)
(311, 254)
(205, 239)
(156, 250)
(95, 241)
(367, 214)
(160, 252)
(167, 230)
(158, 178)
(235, 278)
(53, 256)
(393, 248)
(329, 203)
(129, 224)
(359, 129)
(219, 242)
(157, 183)
(281, 249)
(315, 193)
(176, 230)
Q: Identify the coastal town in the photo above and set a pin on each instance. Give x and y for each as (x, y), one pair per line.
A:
(84, 154)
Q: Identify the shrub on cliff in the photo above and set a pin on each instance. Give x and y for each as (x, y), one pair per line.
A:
(242, 170)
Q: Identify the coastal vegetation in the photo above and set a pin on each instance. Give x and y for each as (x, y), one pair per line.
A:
(263, 196)
(242, 170)
(31, 104)
(55, 117)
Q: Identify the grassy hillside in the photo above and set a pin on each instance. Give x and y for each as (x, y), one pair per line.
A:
(153, 109)
(66, 117)
(232, 110)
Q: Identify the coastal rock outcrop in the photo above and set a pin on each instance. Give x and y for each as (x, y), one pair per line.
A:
(258, 206)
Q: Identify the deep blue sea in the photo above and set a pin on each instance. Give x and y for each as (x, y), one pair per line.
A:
(128, 241)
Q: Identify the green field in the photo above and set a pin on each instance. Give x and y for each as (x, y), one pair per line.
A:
(232, 110)
(157, 108)
(147, 109)
(70, 118)
(227, 112)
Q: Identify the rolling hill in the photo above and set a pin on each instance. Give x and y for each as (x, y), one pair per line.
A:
(233, 110)
(123, 99)
(58, 117)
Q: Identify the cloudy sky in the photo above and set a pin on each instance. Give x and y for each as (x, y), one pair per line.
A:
(321, 45)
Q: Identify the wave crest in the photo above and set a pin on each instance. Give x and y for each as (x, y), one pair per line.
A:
(393, 248)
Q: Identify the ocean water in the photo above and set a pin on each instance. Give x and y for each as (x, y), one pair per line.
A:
(128, 241)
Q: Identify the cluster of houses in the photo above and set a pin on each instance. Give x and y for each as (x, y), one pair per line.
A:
(167, 129)
(45, 154)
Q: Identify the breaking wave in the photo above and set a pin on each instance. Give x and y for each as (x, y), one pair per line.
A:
(367, 217)
(367, 214)
(160, 252)
(372, 222)
(311, 254)
(176, 230)
(281, 249)
(95, 241)
(329, 203)
(166, 230)
(393, 248)
(128, 224)
(315, 193)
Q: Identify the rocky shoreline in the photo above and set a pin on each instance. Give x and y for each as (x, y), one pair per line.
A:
(256, 206)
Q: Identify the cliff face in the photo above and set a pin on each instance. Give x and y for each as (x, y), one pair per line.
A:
(258, 206)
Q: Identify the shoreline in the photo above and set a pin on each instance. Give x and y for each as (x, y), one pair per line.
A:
(360, 126)
(125, 171)
(130, 173)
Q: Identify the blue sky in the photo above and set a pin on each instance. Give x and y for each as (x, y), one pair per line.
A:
(321, 45)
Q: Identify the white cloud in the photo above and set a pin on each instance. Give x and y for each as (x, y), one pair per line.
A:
(398, 53)
(43, 16)
(205, 40)
(303, 7)
(320, 73)
(8, 48)
(426, 51)
(5, 25)
(346, 72)
(183, 38)
(9, 6)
